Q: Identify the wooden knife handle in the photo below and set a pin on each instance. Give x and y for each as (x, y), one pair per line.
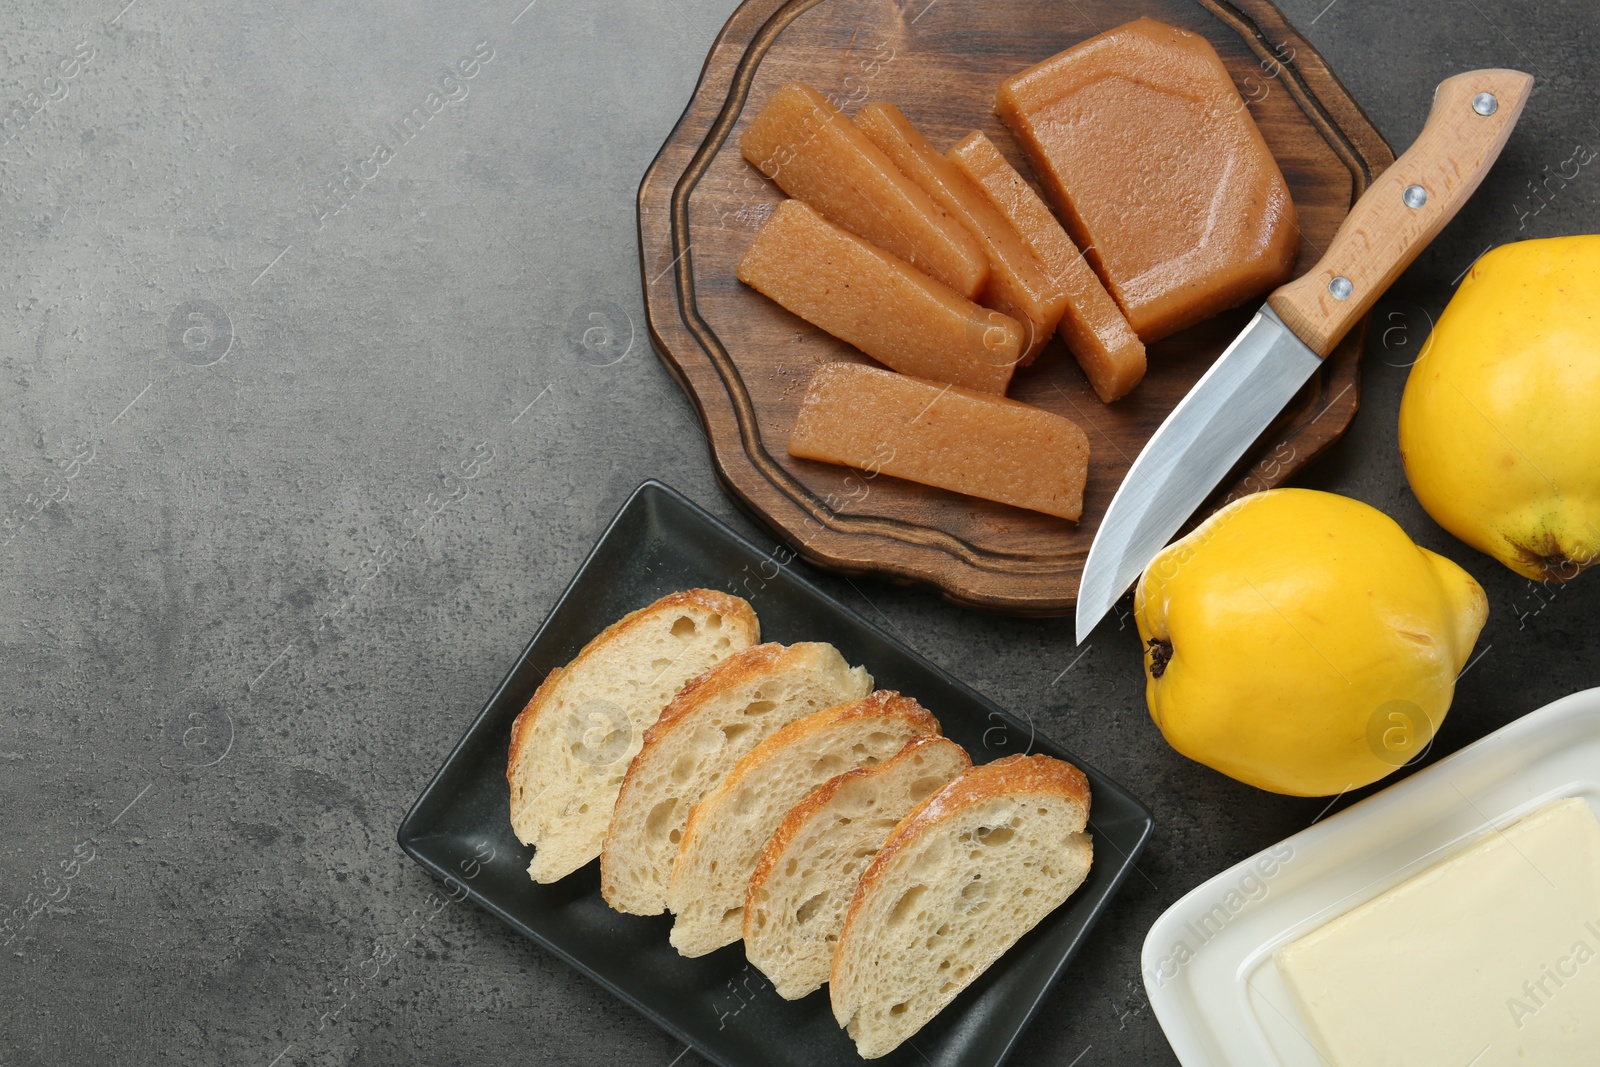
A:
(1393, 221)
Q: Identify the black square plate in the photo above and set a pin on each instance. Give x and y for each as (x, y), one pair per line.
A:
(460, 829)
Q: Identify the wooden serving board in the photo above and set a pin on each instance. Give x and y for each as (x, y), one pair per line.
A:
(744, 361)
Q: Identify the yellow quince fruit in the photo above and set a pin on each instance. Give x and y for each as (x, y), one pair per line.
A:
(1300, 642)
(1500, 421)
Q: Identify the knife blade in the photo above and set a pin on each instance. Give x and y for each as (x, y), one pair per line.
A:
(1301, 322)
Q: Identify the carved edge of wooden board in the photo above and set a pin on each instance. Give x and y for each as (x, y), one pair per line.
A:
(1037, 584)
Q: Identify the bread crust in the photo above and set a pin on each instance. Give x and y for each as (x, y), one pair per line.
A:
(1011, 776)
(882, 704)
(522, 726)
(898, 719)
(737, 668)
(803, 812)
(729, 607)
(734, 671)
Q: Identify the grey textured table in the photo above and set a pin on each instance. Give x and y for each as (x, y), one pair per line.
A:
(299, 443)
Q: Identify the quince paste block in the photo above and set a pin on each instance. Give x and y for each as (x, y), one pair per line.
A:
(1158, 171)
(892, 312)
(944, 436)
(1018, 284)
(1092, 326)
(815, 154)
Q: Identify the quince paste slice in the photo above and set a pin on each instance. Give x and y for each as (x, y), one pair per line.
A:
(815, 154)
(1092, 326)
(892, 312)
(945, 436)
(1159, 172)
(1018, 284)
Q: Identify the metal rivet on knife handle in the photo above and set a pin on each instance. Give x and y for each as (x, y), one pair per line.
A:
(1385, 228)
(1341, 288)
(1415, 196)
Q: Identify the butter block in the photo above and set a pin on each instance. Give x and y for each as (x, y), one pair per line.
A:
(1490, 958)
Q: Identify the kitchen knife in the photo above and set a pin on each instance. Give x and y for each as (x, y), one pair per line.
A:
(1249, 384)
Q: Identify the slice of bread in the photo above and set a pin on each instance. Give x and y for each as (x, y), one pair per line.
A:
(809, 868)
(728, 828)
(572, 744)
(709, 725)
(966, 874)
